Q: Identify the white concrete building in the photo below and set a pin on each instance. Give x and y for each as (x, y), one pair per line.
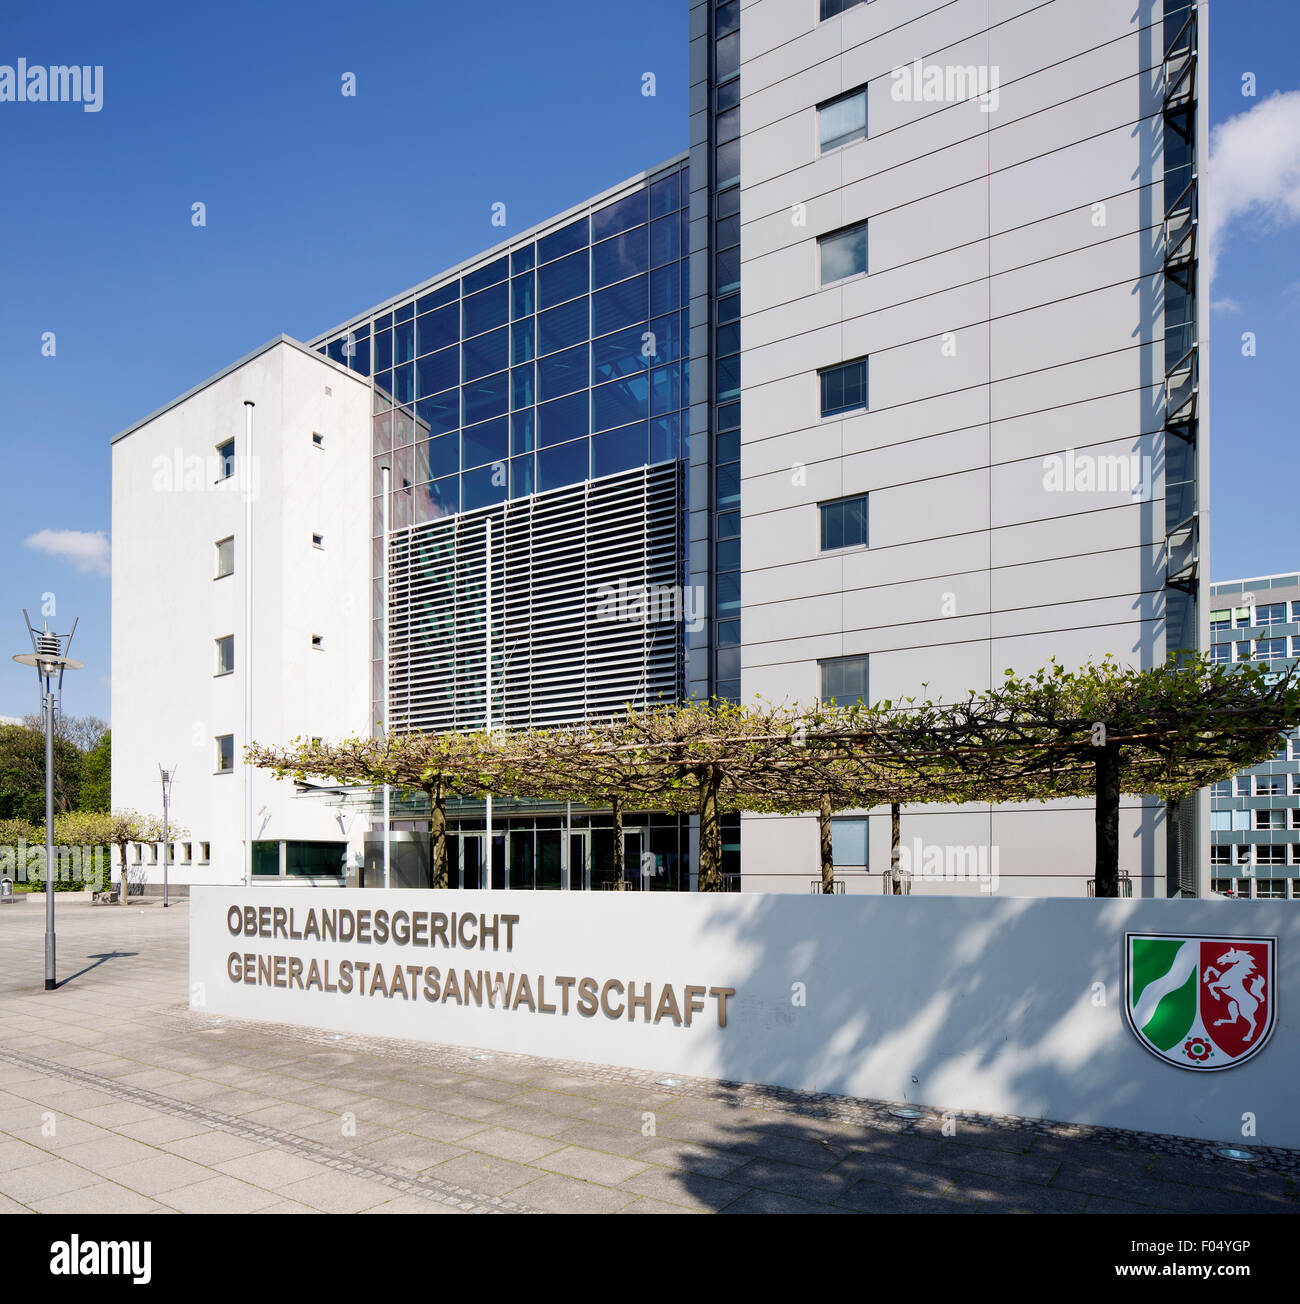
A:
(182, 479)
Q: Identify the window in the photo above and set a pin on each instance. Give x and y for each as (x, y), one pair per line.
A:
(318, 439)
(1242, 782)
(187, 851)
(205, 853)
(137, 852)
(844, 679)
(1221, 653)
(1273, 613)
(1270, 649)
(1223, 789)
(844, 523)
(153, 853)
(1295, 749)
(843, 120)
(1295, 645)
(1220, 620)
(1295, 785)
(1269, 819)
(1220, 855)
(1270, 855)
(830, 8)
(226, 460)
(1270, 887)
(1222, 886)
(1243, 651)
(225, 557)
(318, 641)
(1295, 611)
(1270, 785)
(225, 654)
(844, 387)
(317, 540)
(843, 253)
(1242, 615)
(849, 844)
(225, 753)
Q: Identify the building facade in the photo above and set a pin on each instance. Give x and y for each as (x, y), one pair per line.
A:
(1255, 816)
(890, 383)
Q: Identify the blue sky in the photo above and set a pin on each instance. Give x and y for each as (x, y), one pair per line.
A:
(319, 205)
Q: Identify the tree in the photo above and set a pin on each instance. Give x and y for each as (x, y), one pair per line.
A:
(95, 771)
(22, 773)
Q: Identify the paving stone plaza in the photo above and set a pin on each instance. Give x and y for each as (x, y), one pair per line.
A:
(115, 1097)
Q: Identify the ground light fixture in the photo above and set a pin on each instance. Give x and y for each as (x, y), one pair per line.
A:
(1239, 1156)
(907, 1111)
(49, 655)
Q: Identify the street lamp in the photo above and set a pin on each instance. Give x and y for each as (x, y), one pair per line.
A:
(168, 776)
(49, 655)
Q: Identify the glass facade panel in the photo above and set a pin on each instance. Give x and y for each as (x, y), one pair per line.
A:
(843, 120)
(628, 212)
(563, 326)
(565, 279)
(486, 309)
(843, 253)
(562, 420)
(623, 256)
(619, 305)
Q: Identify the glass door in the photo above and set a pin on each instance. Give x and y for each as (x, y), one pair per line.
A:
(471, 860)
(579, 860)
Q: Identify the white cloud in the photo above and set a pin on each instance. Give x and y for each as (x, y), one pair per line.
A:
(1225, 305)
(1254, 171)
(87, 551)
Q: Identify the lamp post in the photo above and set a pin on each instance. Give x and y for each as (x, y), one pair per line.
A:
(49, 655)
(167, 777)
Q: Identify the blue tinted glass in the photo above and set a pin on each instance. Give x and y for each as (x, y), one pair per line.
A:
(562, 280)
(668, 338)
(665, 390)
(727, 375)
(489, 275)
(628, 212)
(383, 388)
(485, 443)
(686, 268)
(521, 386)
(727, 485)
(522, 295)
(621, 402)
(357, 351)
(487, 398)
(436, 330)
(383, 350)
(521, 334)
(849, 842)
(619, 305)
(441, 498)
(565, 418)
(336, 349)
(440, 414)
(406, 312)
(728, 265)
(617, 259)
(560, 466)
(728, 555)
(665, 240)
(727, 446)
(486, 353)
(562, 373)
(521, 432)
(404, 342)
(728, 339)
(729, 416)
(437, 371)
(522, 259)
(448, 293)
(729, 309)
(560, 327)
(384, 322)
(441, 456)
(563, 241)
(404, 383)
(665, 438)
(665, 195)
(483, 487)
(617, 450)
(619, 354)
(487, 308)
(523, 476)
(728, 163)
(665, 293)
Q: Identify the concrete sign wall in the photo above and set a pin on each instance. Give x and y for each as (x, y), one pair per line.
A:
(1009, 1005)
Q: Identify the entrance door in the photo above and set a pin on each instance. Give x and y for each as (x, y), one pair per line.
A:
(579, 861)
(634, 877)
(471, 860)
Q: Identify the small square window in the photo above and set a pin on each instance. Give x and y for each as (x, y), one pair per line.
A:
(205, 852)
(225, 654)
(844, 523)
(225, 557)
(1220, 855)
(317, 540)
(318, 641)
(317, 439)
(226, 460)
(844, 679)
(187, 852)
(225, 753)
(844, 387)
(850, 846)
(843, 253)
(831, 8)
(843, 120)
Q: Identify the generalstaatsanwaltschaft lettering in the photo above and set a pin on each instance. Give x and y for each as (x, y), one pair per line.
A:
(442, 985)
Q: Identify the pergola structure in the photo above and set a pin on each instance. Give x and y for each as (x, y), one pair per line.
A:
(1093, 732)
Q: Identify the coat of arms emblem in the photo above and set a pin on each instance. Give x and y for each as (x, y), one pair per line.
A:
(1203, 1003)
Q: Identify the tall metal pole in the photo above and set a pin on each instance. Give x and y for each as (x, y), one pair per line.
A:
(167, 846)
(50, 983)
(487, 690)
(384, 475)
(248, 638)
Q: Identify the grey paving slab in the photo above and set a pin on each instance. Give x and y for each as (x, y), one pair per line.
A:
(591, 1165)
(1136, 1190)
(212, 1147)
(777, 1202)
(50, 1177)
(484, 1173)
(103, 1197)
(412, 1154)
(218, 1195)
(688, 1157)
(160, 1172)
(876, 1197)
(337, 1192)
(1005, 1194)
(404, 1204)
(270, 1168)
(1007, 1163)
(791, 1179)
(612, 1140)
(695, 1190)
(506, 1143)
(554, 1194)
